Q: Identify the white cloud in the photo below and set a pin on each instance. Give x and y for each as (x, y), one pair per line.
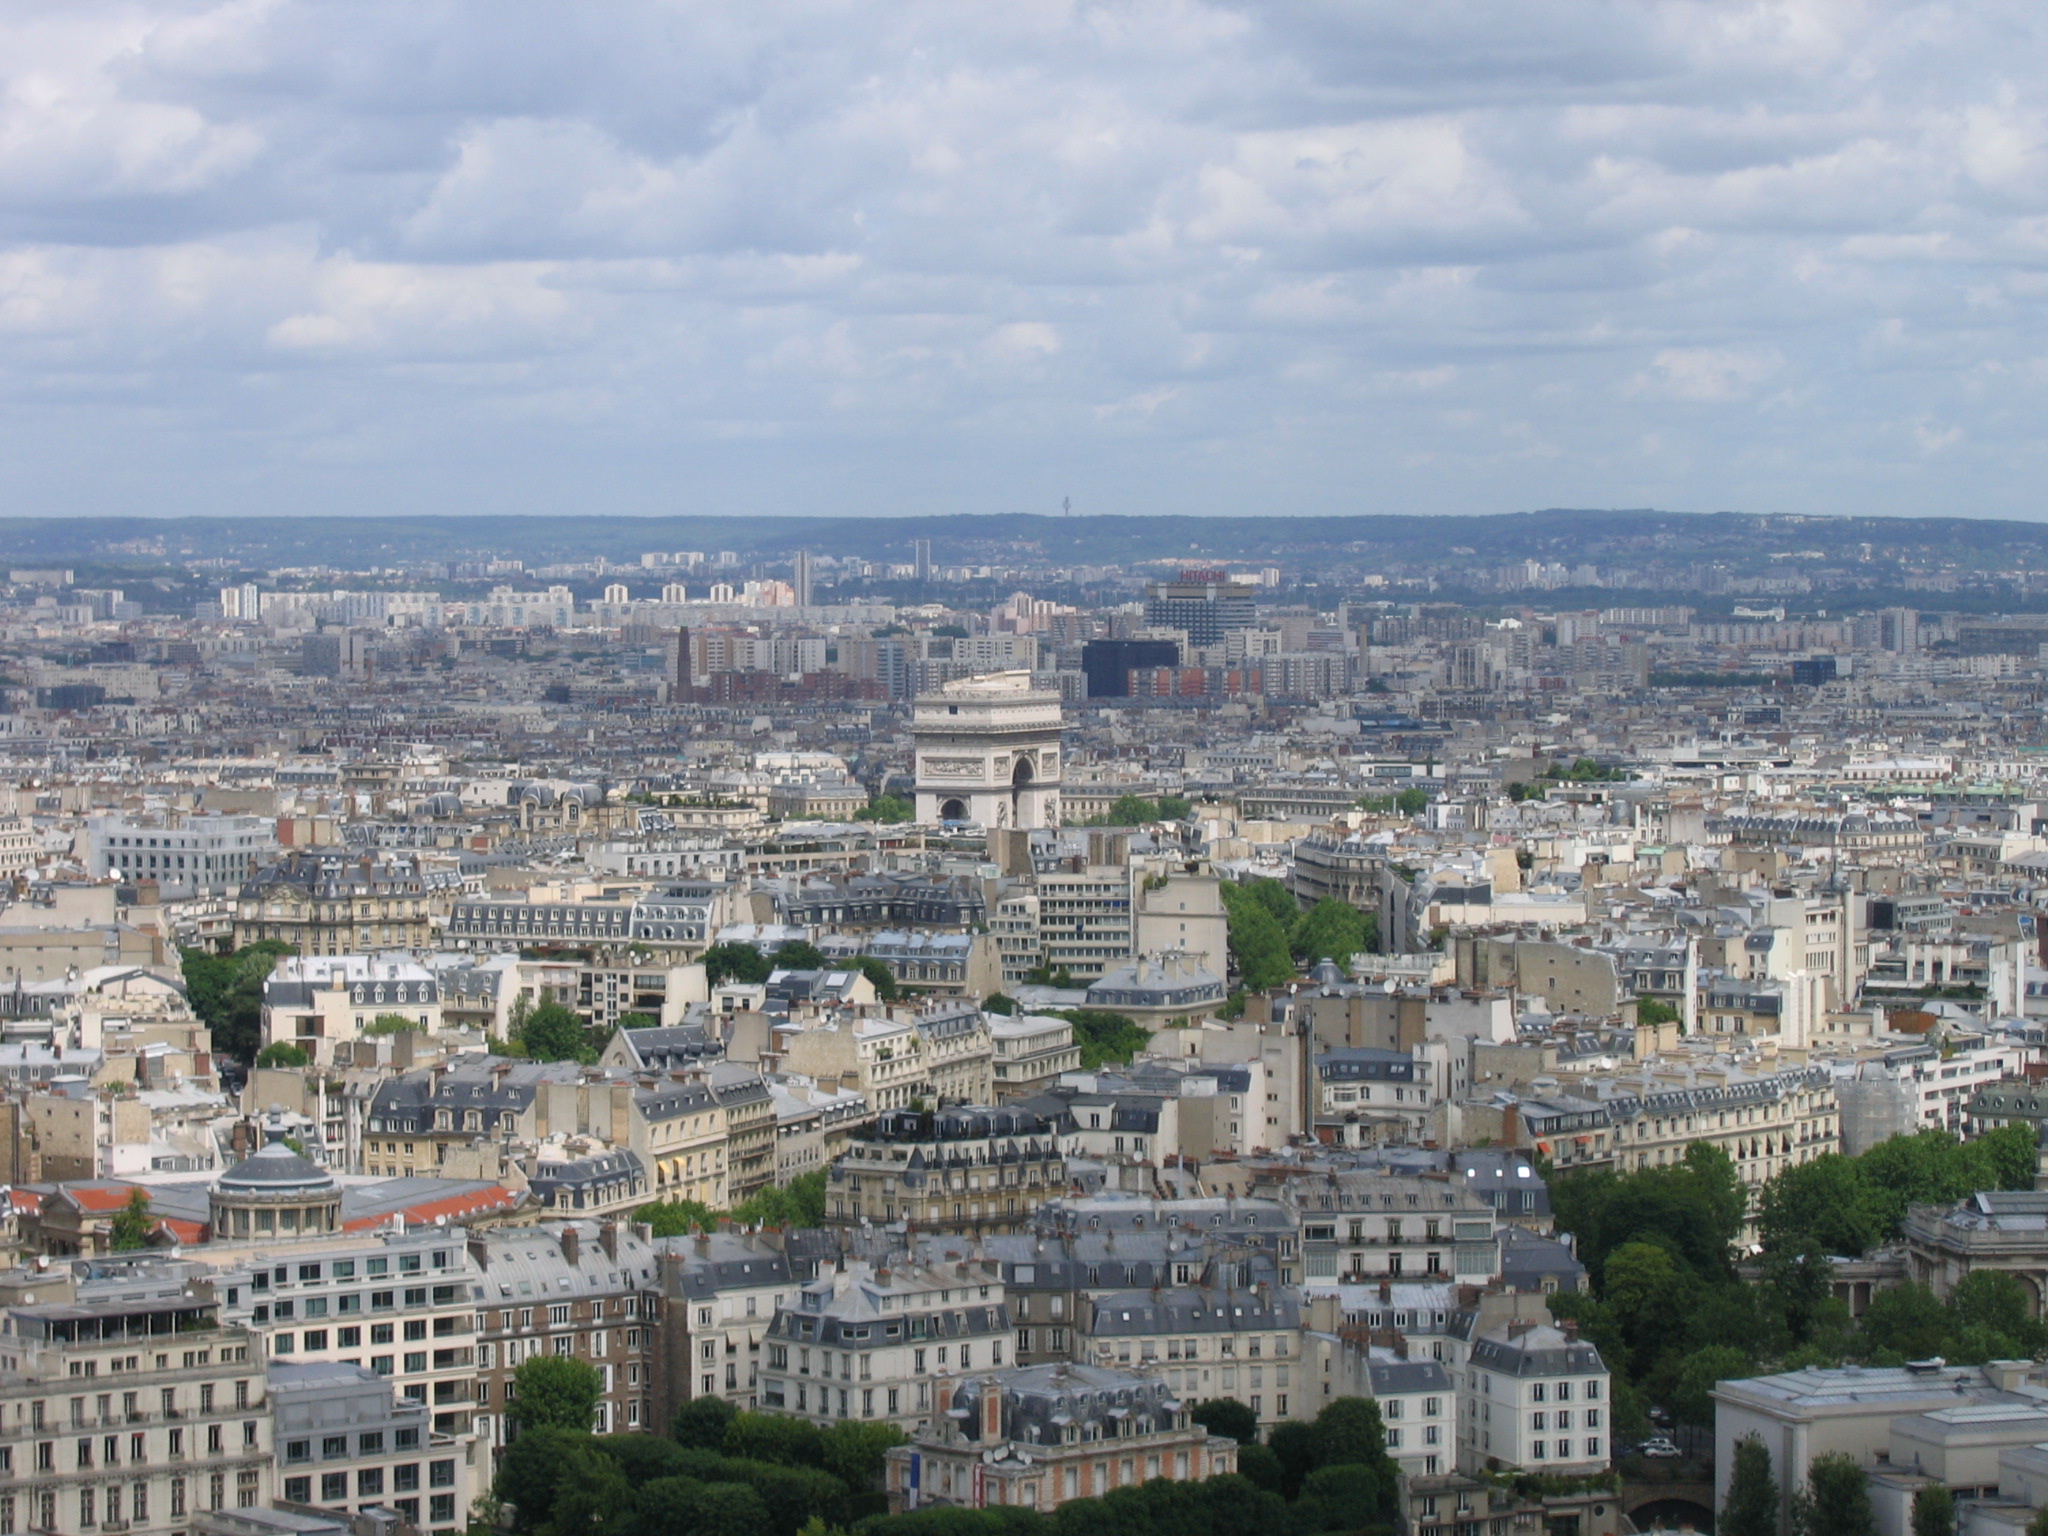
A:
(510, 253)
(1706, 373)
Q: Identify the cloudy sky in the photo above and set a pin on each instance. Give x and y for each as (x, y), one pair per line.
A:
(671, 256)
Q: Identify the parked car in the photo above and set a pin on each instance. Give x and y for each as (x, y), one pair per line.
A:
(1658, 1447)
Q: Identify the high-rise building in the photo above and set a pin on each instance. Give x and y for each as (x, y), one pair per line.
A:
(1898, 629)
(1107, 664)
(1205, 604)
(921, 555)
(802, 581)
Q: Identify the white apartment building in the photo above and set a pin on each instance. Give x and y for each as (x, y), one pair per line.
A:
(867, 1343)
(1031, 1051)
(722, 1291)
(317, 1002)
(399, 1304)
(1419, 1407)
(1536, 1397)
(131, 1414)
(1208, 1341)
(185, 855)
(1085, 920)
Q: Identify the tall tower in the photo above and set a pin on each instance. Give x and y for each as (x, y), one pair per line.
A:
(679, 682)
(803, 578)
(988, 752)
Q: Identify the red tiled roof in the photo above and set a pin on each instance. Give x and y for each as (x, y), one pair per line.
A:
(99, 1199)
(454, 1207)
(183, 1231)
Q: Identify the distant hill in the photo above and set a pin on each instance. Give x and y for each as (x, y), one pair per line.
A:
(1630, 537)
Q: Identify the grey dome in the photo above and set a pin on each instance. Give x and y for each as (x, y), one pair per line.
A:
(276, 1168)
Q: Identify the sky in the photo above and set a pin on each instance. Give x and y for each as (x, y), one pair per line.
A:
(270, 257)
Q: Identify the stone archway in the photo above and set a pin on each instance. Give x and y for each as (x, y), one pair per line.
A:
(953, 809)
(1021, 779)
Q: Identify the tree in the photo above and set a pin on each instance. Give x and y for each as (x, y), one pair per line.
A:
(1258, 941)
(393, 1024)
(1995, 1301)
(1651, 1010)
(853, 1449)
(1649, 1292)
(880, 976)
(730, 1509)
(800, 1203)
(1258, 1463)
(1934, 1511)
(1330, 930)
(555, 1033)
(1751, 1508)
(1127, 811)
(1835, 1500)
(2009, 1156)
(674, 1218)
(1292, 1443)
(1227, 1417)
(530, 1470)
(131, 1223)
(1000, 1002)
(1905, 1321)
(800, 955)
(701, 1422)
(1821, 1207)
(2038, 1526)
(591, 1495)
(1349, 1432)
(638, 1021)
(226, 992)
(1702, 1371)
(735, 962)
(283, 1053)
(555, 1392)
(886, 808)
(1412, 802)
(1105, 1037)
(773, 1437)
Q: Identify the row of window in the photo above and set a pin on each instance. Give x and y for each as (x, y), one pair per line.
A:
(130, 1505)
(345, 1269)
(334, 1489)
(368, 1443)
(107, 1449)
